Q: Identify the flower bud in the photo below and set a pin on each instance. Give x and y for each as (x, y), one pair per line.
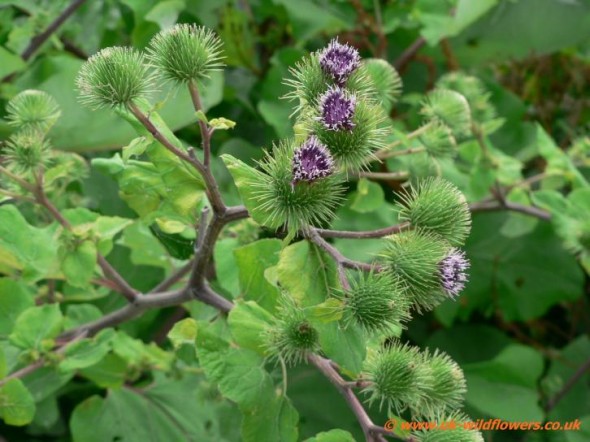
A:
(337, 109)
(292, 338)
(366, 133)
(311, 161)
(385, 79)
(339, 61)
(115, 76)
(438, 140)
(26, 152)
(396, 377)
(375, 303)
(449, 108)
(412, 259)
(451, 427)
(439, 206)
(446, 387)
(452, 272)
(185, 53)
(296, 187)
(32, 110)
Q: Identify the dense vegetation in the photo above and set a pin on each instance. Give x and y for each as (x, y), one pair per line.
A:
(224, 233)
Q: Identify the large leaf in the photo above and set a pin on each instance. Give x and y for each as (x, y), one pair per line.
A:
(511, 374)
(168, 411)
(14, 299)
(514, 271)
(36, 326)
(307, 273)
(252, 261)
(83, 129)
(26, 248)
(16, 403)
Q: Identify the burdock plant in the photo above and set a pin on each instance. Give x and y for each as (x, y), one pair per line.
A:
(296, 298)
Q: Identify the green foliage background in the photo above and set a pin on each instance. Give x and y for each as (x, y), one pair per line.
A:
(519, 330)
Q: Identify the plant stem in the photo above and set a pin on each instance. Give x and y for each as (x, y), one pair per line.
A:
(492, 206)
(24, 184)
(384, 175)
(205, 133)
(212, 188)
(342, 261)
(571, 382)
(109, 271)
(363, 234)
(409, 54)
(326, 368)
(387, 153)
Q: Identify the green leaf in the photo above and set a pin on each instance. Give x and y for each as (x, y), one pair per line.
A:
(171, 410)
(226, 266)
(307, 273)
(26, 248)
(109, 372)
(136, 148)
(515, 270)
(344, 345)
(513, 373)
(9, 63)
(81, 128)
(17, 406)
(335, 435)
(78, 264)
(222, 124)
(86, 352)
(271, 420)
(80, 314)
(248, 322)
(183, 332)
(14, 299)
(238, 372)
(36, 325)
(252, 261)
(369, 196)
(243, 175)
(574, 404)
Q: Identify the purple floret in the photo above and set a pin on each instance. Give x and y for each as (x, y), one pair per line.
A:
(311, 161)
(339, 61)
(452, 272)
(337, 108)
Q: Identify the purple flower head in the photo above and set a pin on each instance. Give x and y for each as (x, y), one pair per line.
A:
(452, 272)
(337, 109)
(339, 61)
(311, 161)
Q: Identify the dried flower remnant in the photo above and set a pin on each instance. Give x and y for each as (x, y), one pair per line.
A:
(311, 161)
(339, 61)
(452, 272)
(337, 107)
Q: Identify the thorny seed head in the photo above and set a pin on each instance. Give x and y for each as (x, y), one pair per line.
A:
(452, 272)
(311, 161)
(339, 61)
(337, 107)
